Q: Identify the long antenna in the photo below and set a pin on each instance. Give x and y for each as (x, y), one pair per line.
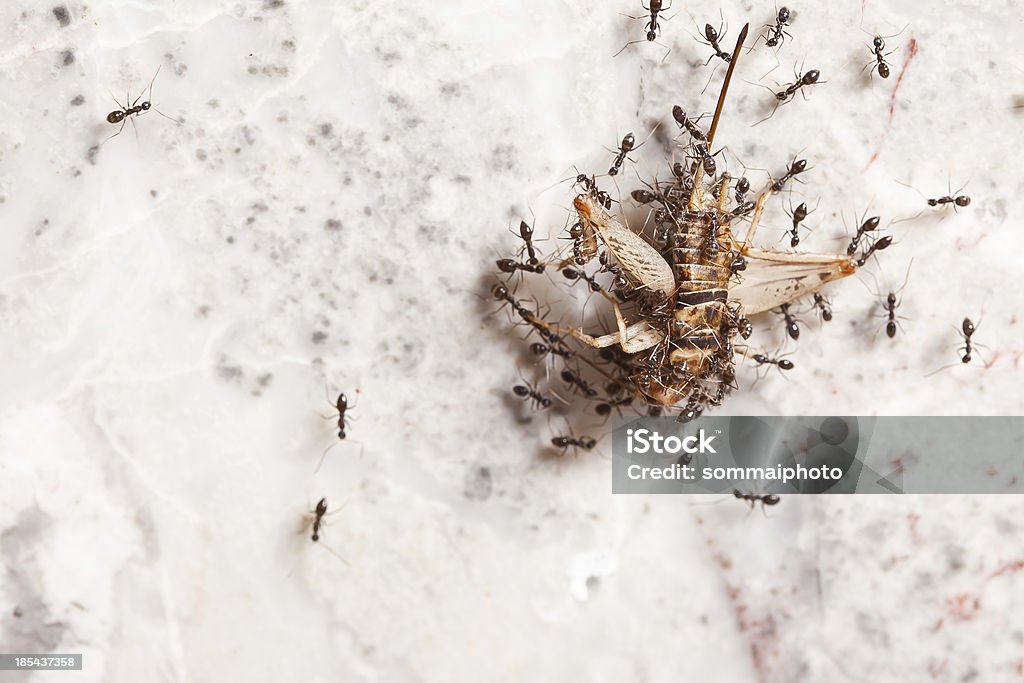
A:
(725, 85)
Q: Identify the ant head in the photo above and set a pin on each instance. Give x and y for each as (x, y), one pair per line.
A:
(878, 43)
(784, 15)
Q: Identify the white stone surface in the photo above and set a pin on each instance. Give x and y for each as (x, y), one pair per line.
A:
(174, 303)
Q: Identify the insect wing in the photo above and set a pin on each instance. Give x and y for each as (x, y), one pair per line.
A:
(772, 279)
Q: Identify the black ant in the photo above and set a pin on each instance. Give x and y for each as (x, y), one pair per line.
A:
(792, 329)
(688, 124)
(775, 33)
(527, 391)
(526, 233)
(880, 66)
(712, 39)
(321, 510)
(540, 349)
(708, 159)
(890, 305)
(507, 265)
(652, 27)
(782, 96)
(753, 498)
(605, 409)
(625, 147)
(644, 196)
(574, 380)
(565, 442)
(342, 406)
(798, 215)
(782, 363)
(967, 328)
(878, 245)
(824, 307)
(573, 274)
(960, 201)
(124, 114)
(742, 209)
(870, 225)
(796, 168)
(742, 188)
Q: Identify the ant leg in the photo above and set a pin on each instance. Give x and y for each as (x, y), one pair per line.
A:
(134, 127)
(115, 134)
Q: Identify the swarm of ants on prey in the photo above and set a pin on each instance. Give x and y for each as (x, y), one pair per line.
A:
(681, 290)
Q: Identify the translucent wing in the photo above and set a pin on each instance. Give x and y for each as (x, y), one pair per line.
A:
(772, 279)
(637, 257)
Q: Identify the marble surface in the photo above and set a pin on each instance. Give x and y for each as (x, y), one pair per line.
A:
(176, 303)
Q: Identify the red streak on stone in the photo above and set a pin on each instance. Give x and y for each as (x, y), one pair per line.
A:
(911, 53)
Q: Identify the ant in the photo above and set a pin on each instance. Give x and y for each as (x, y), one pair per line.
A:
(708, 159)
(798, 215)
(753, 498)
(573, 274)
(967, 328)
(742, 188)
(782, 96)
(526, 233)
(742, 209)
(125, 112)
(651, 26)
(507, 265)
(625, 147)
(527, 391)
(321, 510)
(782, 363)
(712, 39)
(572, 379)
(540, 349)
(960, 200)
(688, 124)
(565, 442)
(796, 168)
(878, 245)
(775, 35)
(890, 305)
(880, 66)
(824, 307)
(605, 409)
(792, 329)
(870, 225)
(342, 406)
